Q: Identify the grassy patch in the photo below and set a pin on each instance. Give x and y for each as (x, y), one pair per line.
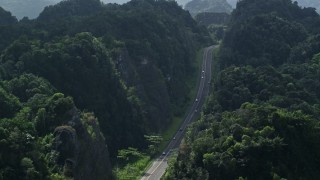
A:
(132, 170)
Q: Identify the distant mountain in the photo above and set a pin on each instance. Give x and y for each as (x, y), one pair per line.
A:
(198, 6)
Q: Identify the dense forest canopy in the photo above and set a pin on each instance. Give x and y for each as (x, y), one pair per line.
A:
(262, 118)
(83, 75)
(258, 37)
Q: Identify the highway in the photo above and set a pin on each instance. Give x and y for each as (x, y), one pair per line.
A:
(161, 163)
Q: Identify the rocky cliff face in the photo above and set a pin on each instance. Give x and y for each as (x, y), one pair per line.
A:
(82, 150)
(150, 86)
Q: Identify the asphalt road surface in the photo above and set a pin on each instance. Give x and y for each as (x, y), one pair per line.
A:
(161, 163)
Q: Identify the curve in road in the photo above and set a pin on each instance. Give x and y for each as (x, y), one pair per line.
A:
(161, 163)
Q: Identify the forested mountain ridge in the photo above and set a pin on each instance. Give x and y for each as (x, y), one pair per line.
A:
(271, 33)
(66, 9)
(44, 136)
(262, 118)
(122, 69)
(6, 17)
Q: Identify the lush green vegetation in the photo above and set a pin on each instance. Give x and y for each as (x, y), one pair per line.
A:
(133, 168)
(131, 164)
(257, 37)
(70, 64)
(83, 75)
(31, 109)
(262, 119)
(178, 119)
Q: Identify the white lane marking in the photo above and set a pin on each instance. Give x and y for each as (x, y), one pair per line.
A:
(200, 91)
(158, 166)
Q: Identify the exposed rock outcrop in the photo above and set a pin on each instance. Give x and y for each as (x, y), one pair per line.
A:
(82, 150)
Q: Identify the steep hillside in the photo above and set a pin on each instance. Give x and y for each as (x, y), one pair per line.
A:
(44, 136)
(6, 18)
(152, 44)
(71, 64)
(257, 36)
(123, 69)
(262, 118)
(7, 28)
